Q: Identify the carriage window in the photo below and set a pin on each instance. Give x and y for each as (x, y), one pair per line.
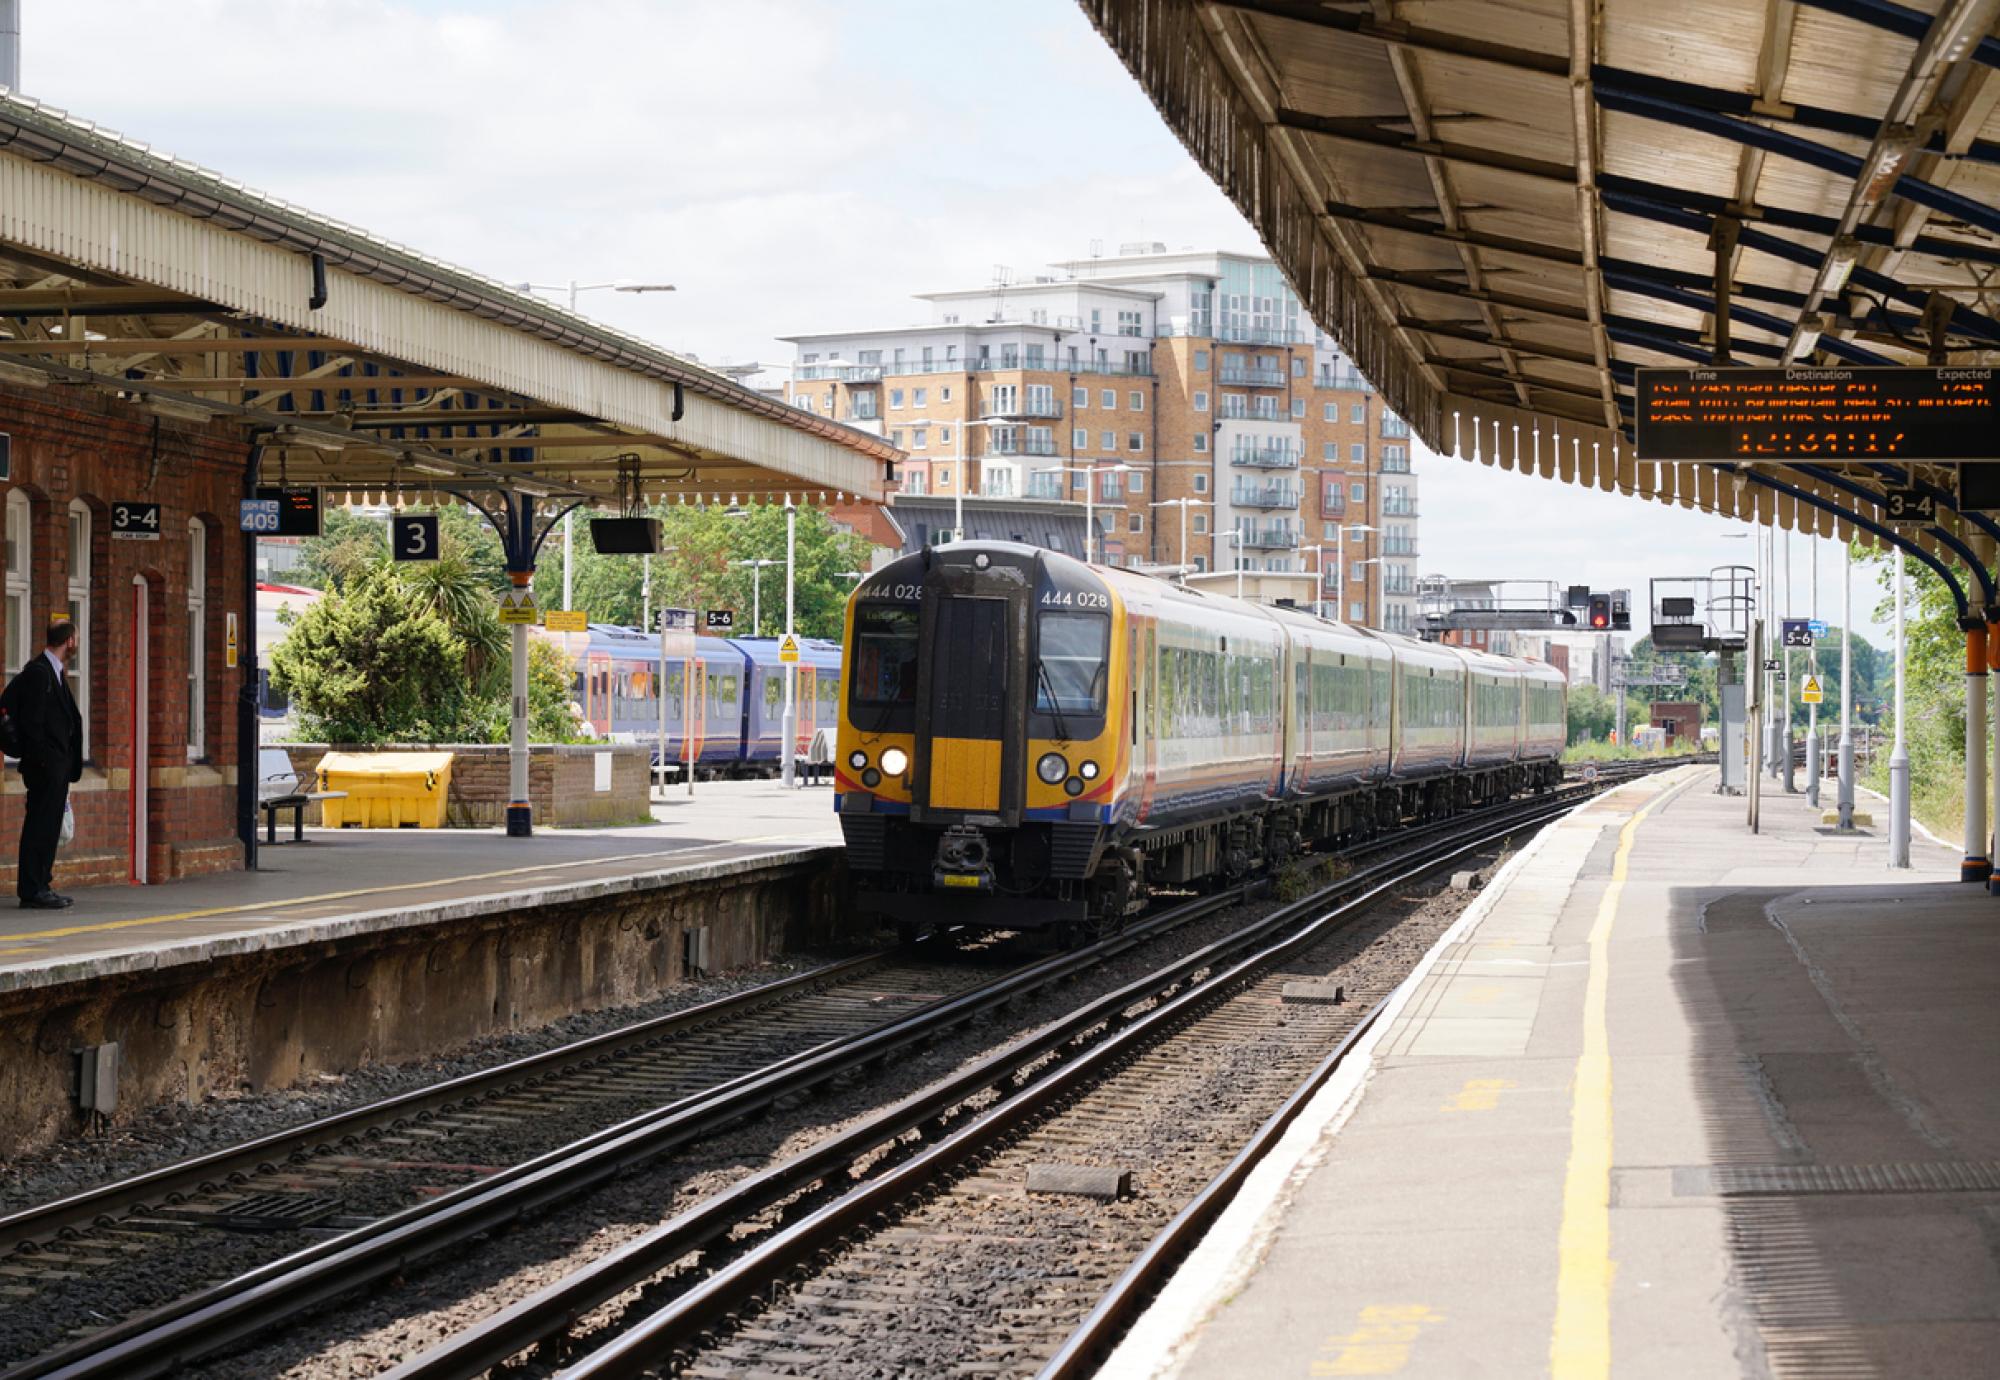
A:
(885, 654)
(1070, 677)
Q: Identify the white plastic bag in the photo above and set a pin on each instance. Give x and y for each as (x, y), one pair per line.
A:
(68, 831)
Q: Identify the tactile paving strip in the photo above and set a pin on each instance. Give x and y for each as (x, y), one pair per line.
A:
(1743, 1180)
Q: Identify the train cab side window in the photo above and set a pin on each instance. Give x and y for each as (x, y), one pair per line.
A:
(1070, 676)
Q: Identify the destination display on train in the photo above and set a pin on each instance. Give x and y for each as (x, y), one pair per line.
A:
(1818, 414)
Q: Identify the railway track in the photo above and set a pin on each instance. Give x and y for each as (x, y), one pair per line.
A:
(266, 1297)
(798, 1211)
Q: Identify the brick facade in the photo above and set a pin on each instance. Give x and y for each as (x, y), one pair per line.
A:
(562, 782)
(72, 448)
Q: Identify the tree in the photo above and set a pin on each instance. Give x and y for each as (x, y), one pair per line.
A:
(371, 663)
(347, 543)
(551, 695)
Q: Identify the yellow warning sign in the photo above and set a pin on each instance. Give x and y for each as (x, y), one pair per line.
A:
(1811, 693)
(229, 641)
(518, 606)
(566, 620)
(788, 648)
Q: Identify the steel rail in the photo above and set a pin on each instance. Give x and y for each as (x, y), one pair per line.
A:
(44, 1221)
(1173, 987)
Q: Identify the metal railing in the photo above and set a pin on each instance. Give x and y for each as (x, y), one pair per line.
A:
(1267, 538)
(1043, 486)
(1396, 466)
(871, 373)
(1236, 411)
(1394, 426)
(1027, 408)
(1407, 508)
(843, 373)
(1021, 445)
(1264, 496)
(1346, 380)
(1399, 546)
(1256, 376)
(1265, 457)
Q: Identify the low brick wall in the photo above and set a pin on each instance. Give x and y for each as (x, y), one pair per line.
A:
(562, 781)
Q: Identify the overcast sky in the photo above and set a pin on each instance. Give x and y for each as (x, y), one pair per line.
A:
(791, 165)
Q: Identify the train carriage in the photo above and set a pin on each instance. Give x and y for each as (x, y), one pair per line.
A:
(1047, 740)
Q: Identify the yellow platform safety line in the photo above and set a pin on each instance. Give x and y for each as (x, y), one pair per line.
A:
(249, 907)
(1581, 1344)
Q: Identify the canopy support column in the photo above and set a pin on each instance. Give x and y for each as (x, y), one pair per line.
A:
(1977, 866)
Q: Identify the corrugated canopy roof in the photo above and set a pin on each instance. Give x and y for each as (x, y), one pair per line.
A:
(378, 367)
(1502, 208)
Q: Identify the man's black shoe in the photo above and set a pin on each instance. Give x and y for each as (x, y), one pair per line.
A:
(48, 900)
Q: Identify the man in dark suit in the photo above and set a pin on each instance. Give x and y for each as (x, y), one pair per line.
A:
(50, 736)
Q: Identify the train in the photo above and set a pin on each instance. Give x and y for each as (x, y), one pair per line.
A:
(1043, 743)
(737, 714)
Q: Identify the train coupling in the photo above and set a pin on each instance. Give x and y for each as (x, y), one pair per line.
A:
(964, 860)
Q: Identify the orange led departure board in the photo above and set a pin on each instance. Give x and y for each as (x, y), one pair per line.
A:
(1818, 414)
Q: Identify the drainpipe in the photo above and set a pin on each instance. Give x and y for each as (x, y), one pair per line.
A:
(10, 44)
(248, 723)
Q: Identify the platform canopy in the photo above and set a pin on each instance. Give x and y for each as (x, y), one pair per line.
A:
(362, 365)
(1503, 208)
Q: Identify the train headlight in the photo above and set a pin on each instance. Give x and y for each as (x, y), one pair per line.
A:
(1052, 768)
(871, 778)
(895, 762)
(1088, 771)
(1073, 786)
(857, 759)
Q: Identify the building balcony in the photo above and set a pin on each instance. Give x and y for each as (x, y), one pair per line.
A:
(1399, 546)
(844, 373)
(1260, 335)
(1268, 538)
(1043, 486)
(1346, 380)
(1264, 496)
(1020, 445)
(1265, 457)
(1253, 376)
(1406, 509)
(1252, 412)
(1394, 427)
(1396, 466)
(1030, 408)
(864, 414)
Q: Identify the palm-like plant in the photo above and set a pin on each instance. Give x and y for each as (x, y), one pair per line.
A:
(453, 587)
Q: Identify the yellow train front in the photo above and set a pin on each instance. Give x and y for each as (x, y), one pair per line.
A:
(981, 738)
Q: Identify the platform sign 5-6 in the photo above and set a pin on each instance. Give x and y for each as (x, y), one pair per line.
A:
(135, 521)
(1908, 508)
(258, 515)
(1798, 633)
(720, 620)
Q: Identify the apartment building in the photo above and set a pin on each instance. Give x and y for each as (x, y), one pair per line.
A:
(1186, 395)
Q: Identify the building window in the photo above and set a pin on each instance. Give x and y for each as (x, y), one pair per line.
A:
(1201, 483)
(20, 565)
(1329, 451)
(1134, 441)
(1359, 493)
(1298, 407)
(1079, 397)
(944, 435)
(1298, 367)
(1201, 443)
(915, 481)
(1079, 438)
(1135, 483)
(1357, 452)
(79, 612)
(1109, 398)
(1201, 402)
(1130, 323)
(1135, 522)
(919, 397)
(896, 439)
(1201, 524)
(1200, 564)
(1097, 321)
(920, 438)
(1107, 440)
(1201, 361)
(1330, 413)
(944, 393)
(874, 357)
(1331, 497)
(895, 397)
(1358, 413)
(197, 643)
(1137, 401)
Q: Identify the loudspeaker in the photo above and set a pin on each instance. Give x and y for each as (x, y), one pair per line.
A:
(626, 536)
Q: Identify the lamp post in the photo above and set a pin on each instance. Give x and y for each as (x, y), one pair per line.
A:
(573, 287)
(757, 568)
(789, 725)
(1183, 504)
(1092, 469)
(1844, 800)
(1340, 564)
(1340, 585)
(1899, 755)
(1234, 537)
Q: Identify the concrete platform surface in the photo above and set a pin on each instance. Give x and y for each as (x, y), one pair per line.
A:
(341, 882)
(1671, 1100)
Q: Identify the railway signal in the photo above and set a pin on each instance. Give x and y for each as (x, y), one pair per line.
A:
(1600, 613)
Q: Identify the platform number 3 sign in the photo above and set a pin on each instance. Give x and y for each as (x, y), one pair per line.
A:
(414, 538)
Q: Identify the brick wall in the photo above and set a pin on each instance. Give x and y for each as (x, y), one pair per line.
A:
(562, 785)
(72, 447)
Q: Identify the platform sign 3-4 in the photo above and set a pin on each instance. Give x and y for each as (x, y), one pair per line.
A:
(1908, 508)
(1798, 632)
(135, 521)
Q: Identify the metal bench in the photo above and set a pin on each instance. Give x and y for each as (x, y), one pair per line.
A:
(278, 789)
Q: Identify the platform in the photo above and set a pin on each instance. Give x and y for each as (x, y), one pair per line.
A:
(361, 945)
(1671, 1100)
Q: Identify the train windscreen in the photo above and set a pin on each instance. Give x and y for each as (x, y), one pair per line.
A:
(1070, 677)
(884, 656)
